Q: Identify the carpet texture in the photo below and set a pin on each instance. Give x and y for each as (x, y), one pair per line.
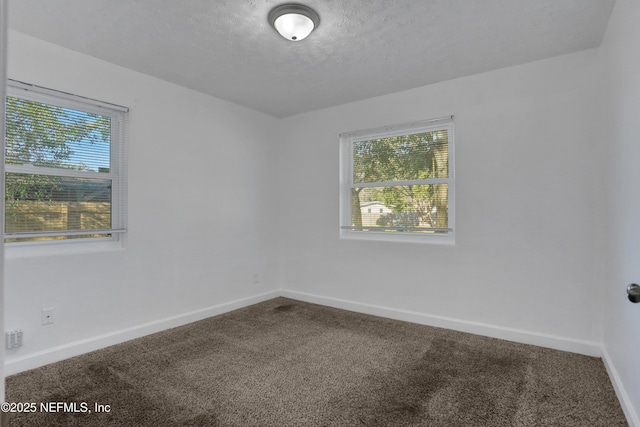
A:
(288, 363)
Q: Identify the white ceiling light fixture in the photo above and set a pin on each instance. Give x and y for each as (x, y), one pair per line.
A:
(294, 21)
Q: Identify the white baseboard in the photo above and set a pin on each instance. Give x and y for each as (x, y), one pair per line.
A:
(627, 406)
(588, 348)
(35, 360)
(76, 348)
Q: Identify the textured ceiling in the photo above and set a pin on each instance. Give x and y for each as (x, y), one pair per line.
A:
(361, 49)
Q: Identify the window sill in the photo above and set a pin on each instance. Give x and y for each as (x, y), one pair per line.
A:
(445, 239)
(54, 248)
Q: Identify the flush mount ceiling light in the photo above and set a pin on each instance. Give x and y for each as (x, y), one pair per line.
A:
(294, 21)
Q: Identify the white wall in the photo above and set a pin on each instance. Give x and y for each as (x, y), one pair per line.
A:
(621, 93)
(200, 185)
(527, 214)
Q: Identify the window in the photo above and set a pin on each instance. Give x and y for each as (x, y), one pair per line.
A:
(65, 166)
(406, 171)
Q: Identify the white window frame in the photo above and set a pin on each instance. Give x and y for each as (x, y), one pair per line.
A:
(117, 170)
(347, 140)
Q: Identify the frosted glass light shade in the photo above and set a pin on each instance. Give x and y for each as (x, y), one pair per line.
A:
(293, 26)
(294, 21)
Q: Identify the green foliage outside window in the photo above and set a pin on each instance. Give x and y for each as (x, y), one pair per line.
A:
(402, 159)
(42, 138)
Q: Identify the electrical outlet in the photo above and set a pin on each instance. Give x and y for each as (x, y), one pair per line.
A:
(256, 278)
(14, 338)
(47, 316)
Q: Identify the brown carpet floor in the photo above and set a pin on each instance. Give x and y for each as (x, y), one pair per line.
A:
(289, 363)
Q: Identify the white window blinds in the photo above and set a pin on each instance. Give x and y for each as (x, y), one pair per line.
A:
(65, 166)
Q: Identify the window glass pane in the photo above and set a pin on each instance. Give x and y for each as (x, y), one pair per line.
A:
(41, 203)
(401, 208)
(406, 157)
(51, 136)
